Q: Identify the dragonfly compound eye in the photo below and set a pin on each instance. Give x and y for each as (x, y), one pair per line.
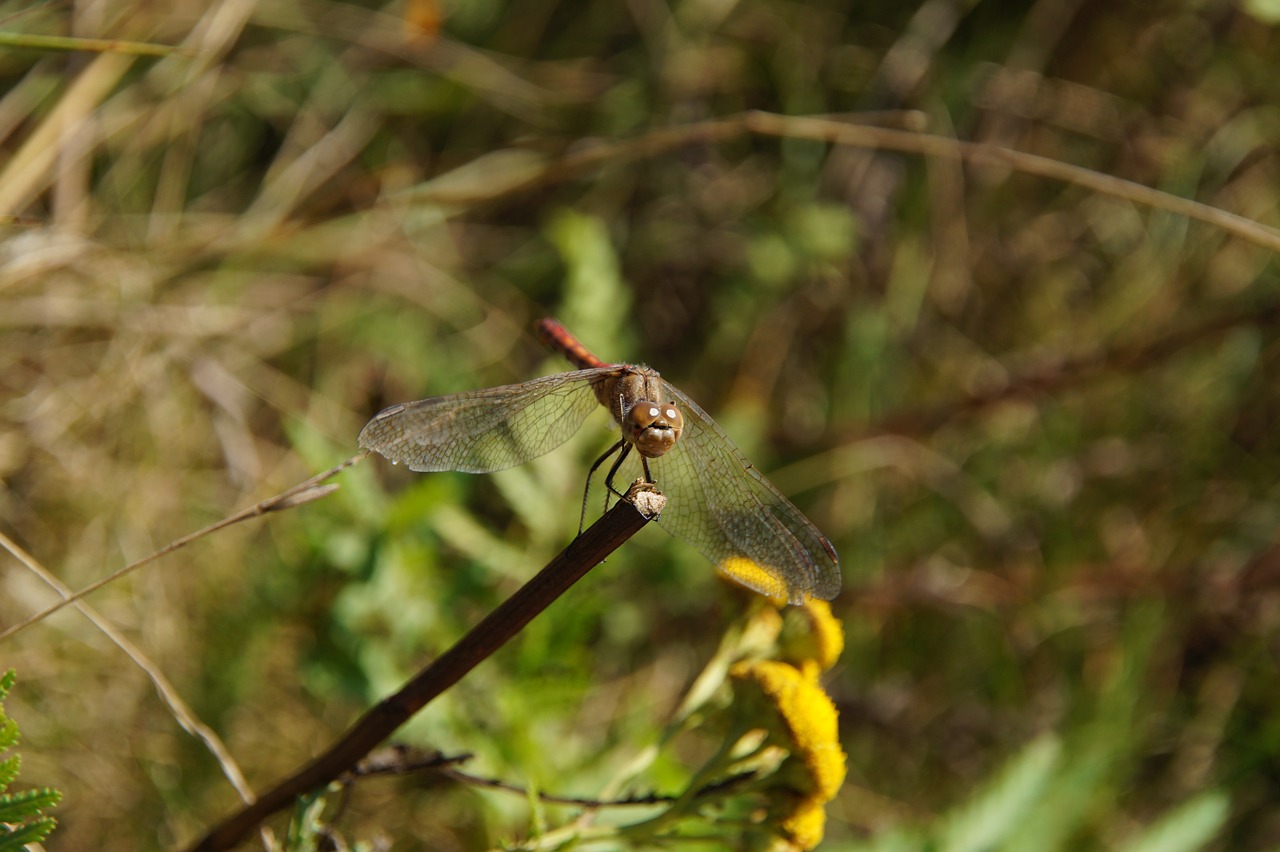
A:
(654, 427)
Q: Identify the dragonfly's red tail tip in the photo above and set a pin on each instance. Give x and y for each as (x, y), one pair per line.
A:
(559, 339)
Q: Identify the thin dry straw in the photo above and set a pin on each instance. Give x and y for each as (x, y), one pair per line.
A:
(303, 492)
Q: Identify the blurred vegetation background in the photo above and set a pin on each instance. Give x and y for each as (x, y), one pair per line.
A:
(1038, 422)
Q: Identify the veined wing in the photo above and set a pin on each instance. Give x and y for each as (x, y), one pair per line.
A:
(486, 430)
(722, 505)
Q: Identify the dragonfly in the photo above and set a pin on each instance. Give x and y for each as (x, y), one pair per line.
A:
(716, 499)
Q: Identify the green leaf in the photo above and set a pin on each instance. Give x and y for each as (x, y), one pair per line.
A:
(8, 732)
(33, 832)
(989, 819)
(16, 807)
(9, 770)
(596, 301)
(1188, 827)
(1266, 11)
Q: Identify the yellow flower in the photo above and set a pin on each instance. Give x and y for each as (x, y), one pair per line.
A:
(808, 716)
(793, 747)
(806, 824)
(807, 728)
(820, 642)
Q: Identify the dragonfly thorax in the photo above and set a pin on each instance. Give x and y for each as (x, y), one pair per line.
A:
(653, 427)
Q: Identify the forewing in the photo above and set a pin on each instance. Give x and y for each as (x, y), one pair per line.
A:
(485, 430)
(722, 505)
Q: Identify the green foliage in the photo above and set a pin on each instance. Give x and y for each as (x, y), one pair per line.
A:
(22, 817)
(1006, 813)
(308, 830)
(768, 738)
(989, 820)
(1190, 826)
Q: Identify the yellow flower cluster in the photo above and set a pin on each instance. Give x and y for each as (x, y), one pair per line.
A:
(804, 723)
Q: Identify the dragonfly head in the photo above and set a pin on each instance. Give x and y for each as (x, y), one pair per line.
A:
(653, 427)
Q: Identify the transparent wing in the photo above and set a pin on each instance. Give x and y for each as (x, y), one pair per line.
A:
(486, 430)
(722, 505)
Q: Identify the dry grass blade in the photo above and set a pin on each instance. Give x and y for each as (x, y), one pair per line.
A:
(168, 693)
(25, 175)
(303, 492)
(606, 535)
(842, 133)
(500, 174)
(93, 45)
(520, 171)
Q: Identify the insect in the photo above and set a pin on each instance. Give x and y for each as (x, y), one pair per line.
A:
(717, 500)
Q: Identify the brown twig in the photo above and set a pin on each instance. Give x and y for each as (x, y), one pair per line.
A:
(853, 130)
(824, 129)
(1068, 371)
(398, 760)
(551, 798)
(624, 520)
(401, 759)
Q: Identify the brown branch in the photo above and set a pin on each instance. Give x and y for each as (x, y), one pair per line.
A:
(398, 760)
(1067, 372)
(401, 759)
(624, 520)
(854, 130)
(824, 129)
(645, 799)
(551, 798)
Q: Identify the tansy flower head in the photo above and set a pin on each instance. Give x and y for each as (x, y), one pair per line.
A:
(806, 823)
(813, 637)
(804, 721)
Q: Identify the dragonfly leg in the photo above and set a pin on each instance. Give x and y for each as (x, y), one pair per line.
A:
(622, 456)
(586, 491)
